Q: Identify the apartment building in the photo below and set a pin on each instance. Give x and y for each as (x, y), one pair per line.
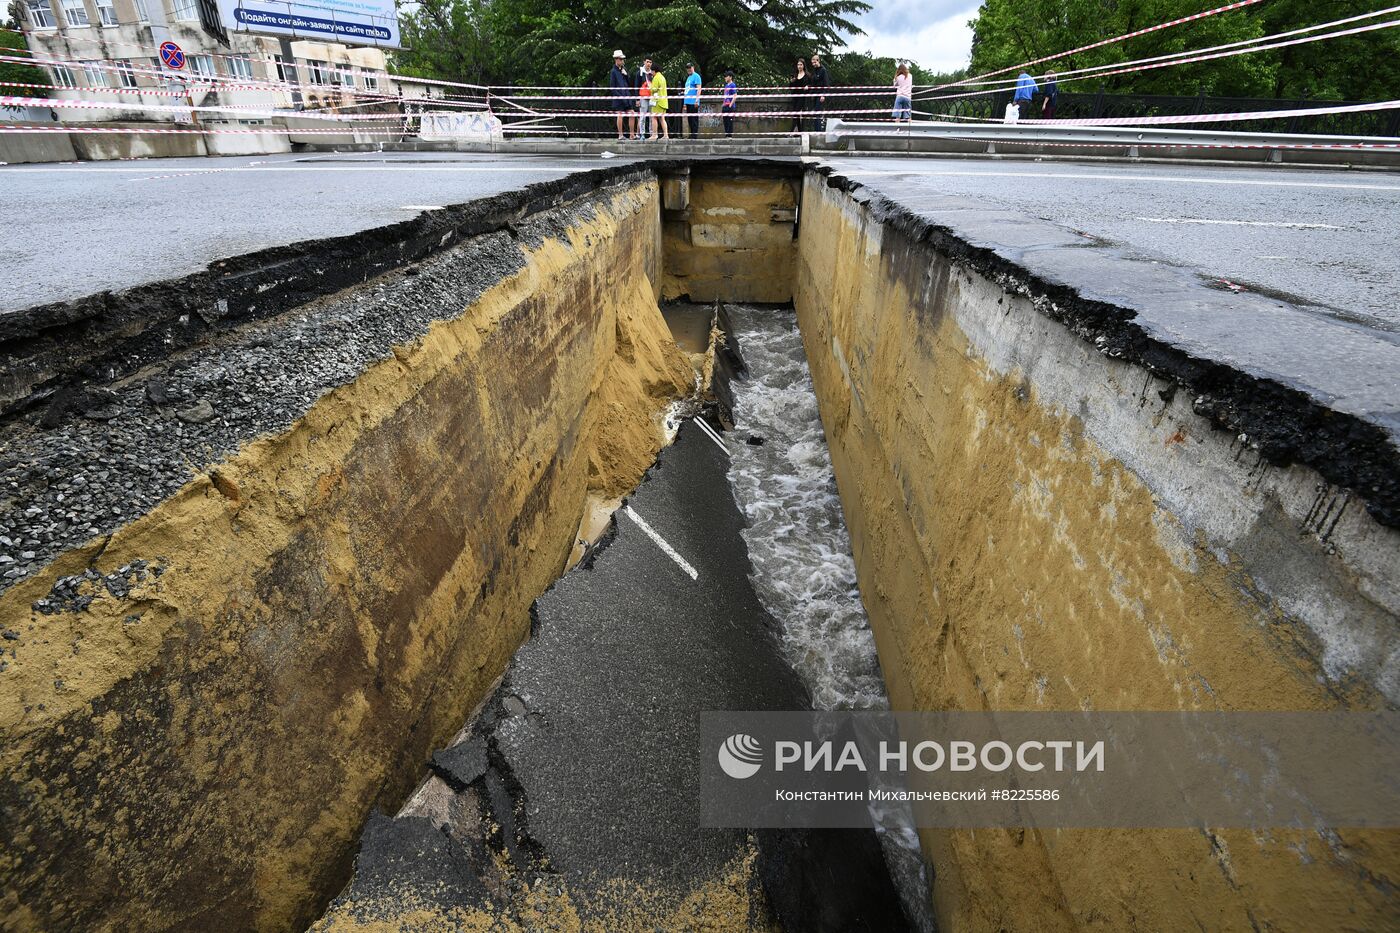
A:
(111, 50)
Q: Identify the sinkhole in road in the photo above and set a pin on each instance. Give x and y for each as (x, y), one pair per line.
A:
(505, 508)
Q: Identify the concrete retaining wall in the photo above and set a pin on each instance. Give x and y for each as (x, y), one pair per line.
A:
(730, 234)
(36, 147)
(196, 741)
(69, 147)
(1037, 525)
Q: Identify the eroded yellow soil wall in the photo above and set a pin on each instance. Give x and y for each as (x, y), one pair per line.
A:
(335, 599)
(1010, 560)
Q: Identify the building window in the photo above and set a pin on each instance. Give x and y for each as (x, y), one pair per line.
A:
(143, 15)
(126, 74)
(75, 13)
(94, 75)
(317, 71)
(41, 14)
(286, 70)
(371, 81)
(184, 9)
(63, 76)
(203, 65)
(239, 67)
(106, 12)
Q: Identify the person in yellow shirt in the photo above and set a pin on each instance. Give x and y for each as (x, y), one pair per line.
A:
(659, 105)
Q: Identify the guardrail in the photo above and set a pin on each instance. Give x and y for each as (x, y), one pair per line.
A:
(1093, 105)
(1114, 141)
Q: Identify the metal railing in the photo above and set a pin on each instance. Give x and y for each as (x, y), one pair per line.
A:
(758, 114)
(1099, 105)
(1133, 142)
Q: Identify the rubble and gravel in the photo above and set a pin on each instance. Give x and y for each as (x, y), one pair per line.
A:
(96, 458)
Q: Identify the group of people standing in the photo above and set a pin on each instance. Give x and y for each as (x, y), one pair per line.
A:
(809, 96)
(1023, 98)
(642, 101)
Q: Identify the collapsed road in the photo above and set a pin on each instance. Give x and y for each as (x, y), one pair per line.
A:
(273, 530)
(583, 761)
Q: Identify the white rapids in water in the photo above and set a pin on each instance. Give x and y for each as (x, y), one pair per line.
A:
(801, 554)
(796, 535)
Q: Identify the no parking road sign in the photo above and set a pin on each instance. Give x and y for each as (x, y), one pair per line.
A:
(172, 55)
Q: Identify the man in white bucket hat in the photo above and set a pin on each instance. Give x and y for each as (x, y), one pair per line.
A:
(623, 95)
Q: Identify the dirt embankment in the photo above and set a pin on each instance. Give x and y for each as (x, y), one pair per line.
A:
(1041, 523)
(202, 705)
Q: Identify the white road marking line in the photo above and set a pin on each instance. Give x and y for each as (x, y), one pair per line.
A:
(661, 543)
(710, 432)
(1151, 179)
(1238, 223)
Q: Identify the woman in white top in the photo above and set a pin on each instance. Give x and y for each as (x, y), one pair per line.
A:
(903, 94)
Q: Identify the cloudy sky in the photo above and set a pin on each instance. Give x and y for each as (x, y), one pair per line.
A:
(933, 33)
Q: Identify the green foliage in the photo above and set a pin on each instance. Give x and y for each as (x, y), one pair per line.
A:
(11, 71)
(865, 70)
(1364, 67)
(447, 39)
(552, 42)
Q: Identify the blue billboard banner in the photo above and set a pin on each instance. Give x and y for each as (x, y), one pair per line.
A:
(351, 22)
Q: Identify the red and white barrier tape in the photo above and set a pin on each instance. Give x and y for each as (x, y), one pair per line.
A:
(1221, 117)
(1091, 70)
(199, 84)
(1197, 55)
(156, 92)
(246, 111)
(1360, 147)
(187, 131)
(324, 67)
(1239, 4)
(1258, 48)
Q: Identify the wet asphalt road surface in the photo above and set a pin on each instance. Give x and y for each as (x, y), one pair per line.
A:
(80, 228)
(1326, 239)
(1322, 238)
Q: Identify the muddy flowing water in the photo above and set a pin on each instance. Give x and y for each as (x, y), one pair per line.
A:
(803, 570)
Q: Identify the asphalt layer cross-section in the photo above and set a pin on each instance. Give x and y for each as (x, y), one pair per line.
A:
(593, 736)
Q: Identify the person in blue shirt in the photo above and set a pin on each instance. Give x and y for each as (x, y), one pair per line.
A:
(1025, 91)
(693, 86)
(730, 102)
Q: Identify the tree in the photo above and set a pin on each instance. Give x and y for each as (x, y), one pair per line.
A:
(14, 72)
(448, 39)
(553, 42)
(1364, 67)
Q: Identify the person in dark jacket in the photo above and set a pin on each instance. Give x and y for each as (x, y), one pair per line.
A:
(623, 96)
(820, 82)
(1051, 90)
(801, 84)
